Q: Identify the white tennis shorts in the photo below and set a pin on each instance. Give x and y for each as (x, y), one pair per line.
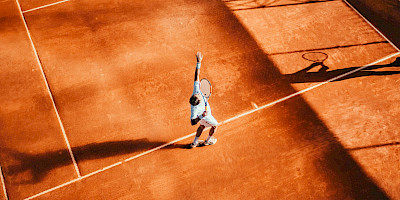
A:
(208, 121)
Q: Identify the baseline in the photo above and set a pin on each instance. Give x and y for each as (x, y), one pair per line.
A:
(224, 122)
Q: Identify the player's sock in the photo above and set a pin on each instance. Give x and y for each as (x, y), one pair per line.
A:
(195, 139)
(209, 137)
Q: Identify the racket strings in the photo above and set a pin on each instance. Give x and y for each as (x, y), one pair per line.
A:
(205, 87)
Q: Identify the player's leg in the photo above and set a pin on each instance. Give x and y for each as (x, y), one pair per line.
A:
(200, 130)
(212, 130)
(211, 140)
(198, 134)
(210, 121)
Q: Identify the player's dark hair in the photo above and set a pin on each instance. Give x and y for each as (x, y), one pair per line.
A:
(194, 100)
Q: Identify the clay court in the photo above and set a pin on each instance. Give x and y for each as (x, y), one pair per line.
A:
(95, 100)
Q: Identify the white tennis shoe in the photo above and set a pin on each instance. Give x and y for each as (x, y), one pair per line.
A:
(211, 141)
(194, 145)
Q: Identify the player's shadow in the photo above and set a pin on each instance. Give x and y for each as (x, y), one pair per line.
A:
(324, 74)
(32, 168)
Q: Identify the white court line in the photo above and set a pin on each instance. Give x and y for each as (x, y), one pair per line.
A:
(52, 4)
(3, 183)
(365, 19)
(49, 91)
(224, 122)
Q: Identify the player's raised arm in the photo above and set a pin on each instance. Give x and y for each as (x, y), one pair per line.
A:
(199, 57)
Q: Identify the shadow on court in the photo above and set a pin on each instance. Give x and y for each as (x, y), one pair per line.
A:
(343, 175)
(345, 178)
(382, 14)
(374, 146)
(324, 74)
(39, 165)
(339, 165)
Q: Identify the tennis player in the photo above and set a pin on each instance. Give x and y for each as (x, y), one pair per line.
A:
(199, 113)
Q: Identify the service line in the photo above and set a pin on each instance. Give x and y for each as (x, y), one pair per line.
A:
(224, 122)
(48, 5)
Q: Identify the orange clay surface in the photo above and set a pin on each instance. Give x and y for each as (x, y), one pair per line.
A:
(121, 74)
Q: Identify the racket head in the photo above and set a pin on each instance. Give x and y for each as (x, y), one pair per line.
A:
(205, 87)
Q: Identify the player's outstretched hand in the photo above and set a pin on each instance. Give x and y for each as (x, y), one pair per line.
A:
(205, 113)
(199, 56)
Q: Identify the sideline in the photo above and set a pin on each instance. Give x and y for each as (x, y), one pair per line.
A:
(48, 89)
(224, 122)
(366, 20)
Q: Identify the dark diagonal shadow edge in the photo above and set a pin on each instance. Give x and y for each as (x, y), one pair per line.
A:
(341, 168)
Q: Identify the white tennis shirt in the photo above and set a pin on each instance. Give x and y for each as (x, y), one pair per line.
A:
(199, 109)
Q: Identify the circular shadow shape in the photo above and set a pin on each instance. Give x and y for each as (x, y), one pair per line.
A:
(315, 56)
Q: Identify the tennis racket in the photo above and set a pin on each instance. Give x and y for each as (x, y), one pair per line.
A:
(206, 89)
